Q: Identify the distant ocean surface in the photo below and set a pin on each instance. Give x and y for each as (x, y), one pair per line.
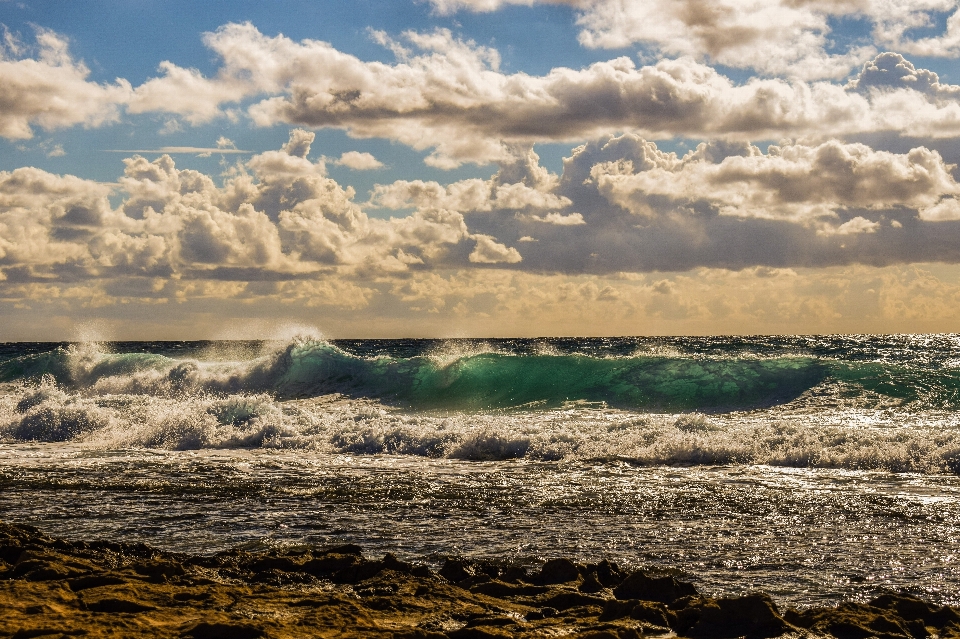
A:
(813, 468)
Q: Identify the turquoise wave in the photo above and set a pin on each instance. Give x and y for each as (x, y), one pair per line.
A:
(495, 380)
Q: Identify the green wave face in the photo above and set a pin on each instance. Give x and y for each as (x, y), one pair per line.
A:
(497, 380)
(492, 380)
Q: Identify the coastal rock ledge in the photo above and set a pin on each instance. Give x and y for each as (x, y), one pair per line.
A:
(56, 588)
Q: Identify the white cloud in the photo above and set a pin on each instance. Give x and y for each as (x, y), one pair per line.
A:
(573, 219)
(624, 206)
(449, 95)
(276, 215)
(947, 209)
(52, 90)
(190, 150)
(788, 182)
(489, 251)
(359, 161)
(775, 37)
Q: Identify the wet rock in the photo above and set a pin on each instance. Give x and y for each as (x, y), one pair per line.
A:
(496, 588)
(571, 599)
(852, 621)
(329, 564)
(455, 570)
(9, 553)
(912, 609)
(134, 590)
(204, 630)
(115, 605)
(590, 584)
(491, 621)
(652, 613)
(478, 633)
(753, 616)
(94, 581)
(557, 571)
(607, 573)
(617, 609)
(542, 613)
(418, 633)
(281, 564)
(639, 585)
(43, 570)
(159, 570)
(514, 574)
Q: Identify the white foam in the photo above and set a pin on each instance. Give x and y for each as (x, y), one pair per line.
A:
(147, 408)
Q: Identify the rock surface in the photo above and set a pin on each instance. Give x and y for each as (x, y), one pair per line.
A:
(55, 588)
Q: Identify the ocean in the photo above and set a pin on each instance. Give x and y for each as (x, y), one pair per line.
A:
(813, 468)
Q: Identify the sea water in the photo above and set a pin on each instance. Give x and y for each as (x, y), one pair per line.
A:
(812, 468)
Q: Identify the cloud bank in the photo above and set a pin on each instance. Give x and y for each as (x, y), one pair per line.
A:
(779, 37)
(620, 205)
(448, 96)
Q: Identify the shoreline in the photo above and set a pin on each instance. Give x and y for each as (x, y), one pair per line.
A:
(52, 587)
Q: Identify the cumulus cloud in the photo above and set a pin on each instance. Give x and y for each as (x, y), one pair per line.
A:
(448, 95)
(276, 216)
(359, 161)
(572, 219)
(489, 251)
(52, 90)
(621, 205)
(778, 37)
(788, 182)
(732, 205)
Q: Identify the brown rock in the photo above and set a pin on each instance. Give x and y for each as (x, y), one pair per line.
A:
(753, 616)
(639, 585)
(204, 630)
(557, 571)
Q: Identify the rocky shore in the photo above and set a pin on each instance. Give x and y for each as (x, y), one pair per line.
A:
(56, 588)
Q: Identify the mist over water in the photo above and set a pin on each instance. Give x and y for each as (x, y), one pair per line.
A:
(814, 464)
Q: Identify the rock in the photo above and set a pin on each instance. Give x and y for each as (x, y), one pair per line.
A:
(571, 599)
(455, 570)
(617, 609)
(496, 588)
(607, 573)
(94, 581)
(478, 633)
(590, 584)
(557, 571)
(418, 633)
(654, 614)
(663, 589)
(513, 574)
(282, 564)
(42, 570)
(913, 609)
(158, 570)
(134, 590)
(851, 621)
(112, 605)
(753, 616)
(204, 630)
(329, 564)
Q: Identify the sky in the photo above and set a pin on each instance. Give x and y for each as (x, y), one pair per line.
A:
(478, 168)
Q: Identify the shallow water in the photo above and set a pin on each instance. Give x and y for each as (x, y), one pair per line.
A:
(811, 468)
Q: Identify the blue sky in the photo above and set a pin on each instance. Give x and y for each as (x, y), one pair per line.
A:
(478, 167)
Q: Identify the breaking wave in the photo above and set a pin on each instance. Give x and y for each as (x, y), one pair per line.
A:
(854, 440)
(487, 380)
(485, 403)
